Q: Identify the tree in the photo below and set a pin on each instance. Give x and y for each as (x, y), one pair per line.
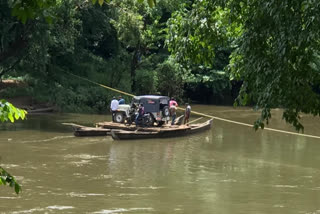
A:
(141, 29)
(107, 44)
(10, 112)
(25, 10)
(275, 48)
(171, 78)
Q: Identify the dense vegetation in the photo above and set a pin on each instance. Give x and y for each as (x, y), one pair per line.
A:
(120, 44)
(200, 50)
(275, 50)
(11, 113)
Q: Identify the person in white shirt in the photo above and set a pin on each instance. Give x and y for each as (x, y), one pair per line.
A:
(113, 107)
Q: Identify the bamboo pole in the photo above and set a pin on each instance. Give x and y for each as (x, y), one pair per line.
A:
(195, 120)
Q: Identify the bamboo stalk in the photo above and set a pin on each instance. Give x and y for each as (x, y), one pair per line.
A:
(195, 120)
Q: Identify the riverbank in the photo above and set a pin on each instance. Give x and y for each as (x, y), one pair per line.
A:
(31, 105)
(28, 103)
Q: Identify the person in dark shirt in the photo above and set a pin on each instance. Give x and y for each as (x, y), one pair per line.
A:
(140, 113)
(121, 100)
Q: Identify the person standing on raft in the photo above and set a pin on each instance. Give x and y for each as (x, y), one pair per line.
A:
(187, 114)
(173, 110)
(113, 107)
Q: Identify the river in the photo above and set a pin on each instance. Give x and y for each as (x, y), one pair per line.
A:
(228, 169)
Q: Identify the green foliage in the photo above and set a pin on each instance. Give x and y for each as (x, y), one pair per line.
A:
(141, 30)
(115, 44)
(194, 34)
(57, 48)
(129, 22)
(171, 78)
(146, 82)
(273, 49)
(6, 178)
(10, 112)
(31, 9)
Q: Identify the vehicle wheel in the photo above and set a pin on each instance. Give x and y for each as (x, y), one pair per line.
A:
(119, 117)
(166, 111)
(149, 121)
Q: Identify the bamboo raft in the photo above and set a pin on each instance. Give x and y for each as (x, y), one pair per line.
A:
(120, 131)
(121, 126)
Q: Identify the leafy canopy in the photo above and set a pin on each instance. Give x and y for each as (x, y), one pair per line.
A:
(32, 9)
(275, 49)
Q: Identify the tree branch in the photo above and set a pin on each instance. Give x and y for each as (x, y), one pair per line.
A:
(11, 67)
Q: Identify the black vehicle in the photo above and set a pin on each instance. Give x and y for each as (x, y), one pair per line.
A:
(156, 109)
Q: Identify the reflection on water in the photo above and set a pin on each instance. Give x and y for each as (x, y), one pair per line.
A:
(228, 169)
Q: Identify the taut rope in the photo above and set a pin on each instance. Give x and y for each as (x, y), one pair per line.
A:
(201, 114)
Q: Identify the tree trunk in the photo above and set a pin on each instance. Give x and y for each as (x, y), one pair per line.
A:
(15, 49)
(134, 65)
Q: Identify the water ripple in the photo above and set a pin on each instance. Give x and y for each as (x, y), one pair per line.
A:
(84, 195)
(150, 187)
(53, 207)
(285, 186)
(46, 140)
(120, 210)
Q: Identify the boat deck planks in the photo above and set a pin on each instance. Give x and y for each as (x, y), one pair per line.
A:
(112, 125)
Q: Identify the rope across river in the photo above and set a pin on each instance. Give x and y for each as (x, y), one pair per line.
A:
(200, 114)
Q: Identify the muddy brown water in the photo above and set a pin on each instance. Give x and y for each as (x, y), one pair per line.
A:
(228, 169)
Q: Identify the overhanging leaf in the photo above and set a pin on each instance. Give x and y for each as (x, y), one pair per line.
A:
(101, 2)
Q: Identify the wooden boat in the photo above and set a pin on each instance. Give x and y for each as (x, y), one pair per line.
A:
(84, 131)
(163, 132)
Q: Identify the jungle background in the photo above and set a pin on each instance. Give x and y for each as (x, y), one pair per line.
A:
(121, 44)
(259, 53)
